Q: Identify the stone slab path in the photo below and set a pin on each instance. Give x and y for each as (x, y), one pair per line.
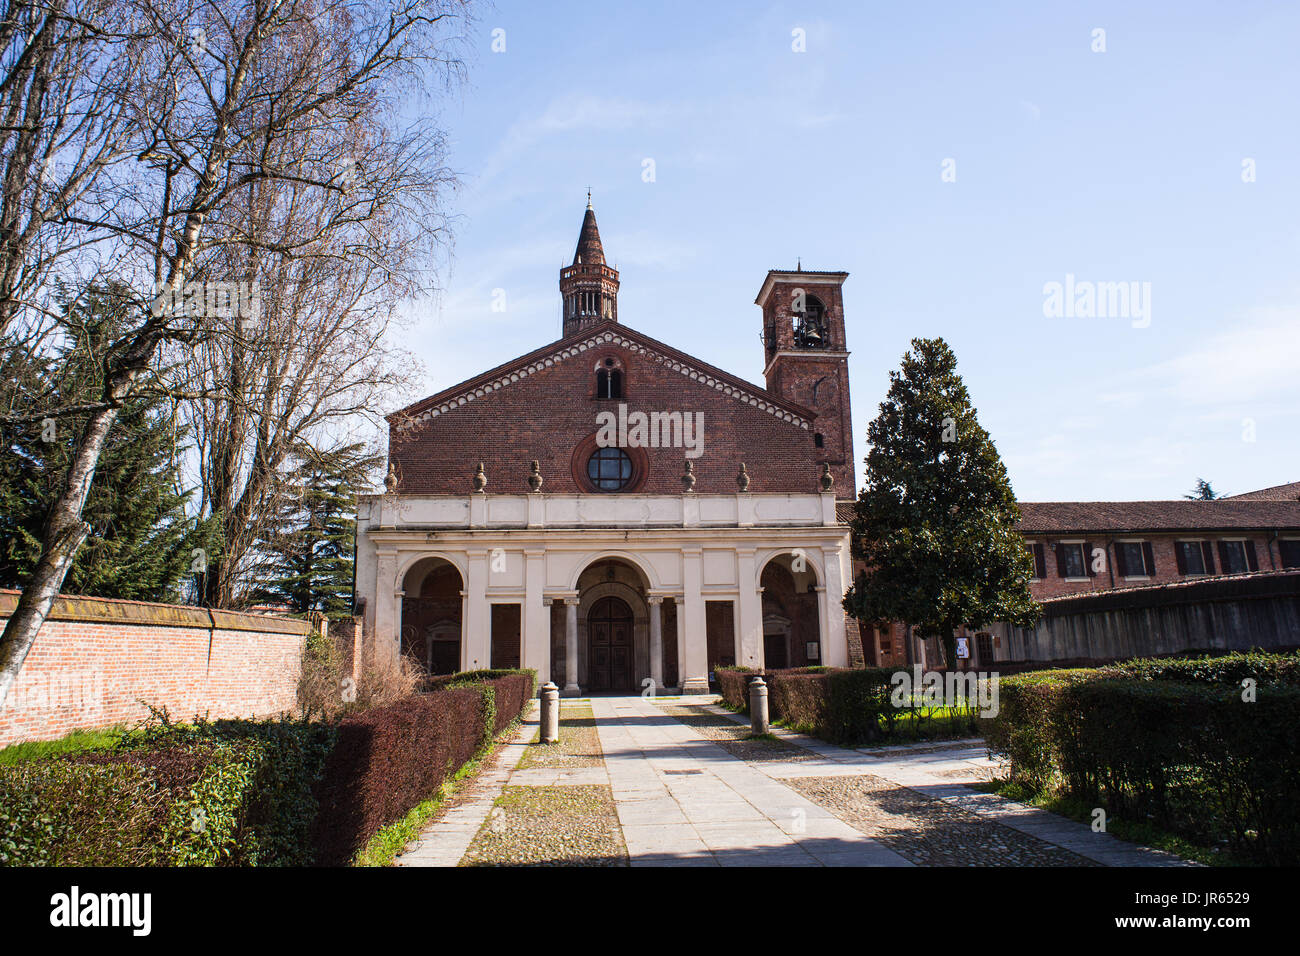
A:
(680, 782)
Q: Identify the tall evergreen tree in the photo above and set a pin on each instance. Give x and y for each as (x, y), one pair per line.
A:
(310, 545)
(141, 544)
(1203, 491)
(935, 521)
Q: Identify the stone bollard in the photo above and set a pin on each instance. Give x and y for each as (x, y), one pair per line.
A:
(550, 713)
(758, 706)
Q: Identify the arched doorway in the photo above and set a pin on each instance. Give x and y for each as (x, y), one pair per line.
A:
(791, 620)
(431, 615)
(609, 646)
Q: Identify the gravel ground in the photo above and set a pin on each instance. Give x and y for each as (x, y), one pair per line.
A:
(550, 826)
(578, 746)
(928, 832)
(735, 738)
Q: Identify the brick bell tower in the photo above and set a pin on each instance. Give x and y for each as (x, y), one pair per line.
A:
(806, 360)
(588, 288)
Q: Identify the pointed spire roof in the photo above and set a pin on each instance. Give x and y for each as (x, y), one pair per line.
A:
(589, 251)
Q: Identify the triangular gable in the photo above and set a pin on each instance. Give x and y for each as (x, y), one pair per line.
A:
(608, 333)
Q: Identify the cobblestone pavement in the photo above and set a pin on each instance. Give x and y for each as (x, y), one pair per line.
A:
(683, 783)
(550, 826)
(929, 832)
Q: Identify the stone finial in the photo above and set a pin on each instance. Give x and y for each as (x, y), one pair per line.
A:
(534, 476)
(390, 480)
(480, 478)
(742, 479)
(827, 478)
(688, 478)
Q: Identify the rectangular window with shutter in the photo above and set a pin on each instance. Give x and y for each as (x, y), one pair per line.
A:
(1070, 560)
(1233, 558)
(1191, 557)
(1037, 554)
(1288, 550)
(1131, 559)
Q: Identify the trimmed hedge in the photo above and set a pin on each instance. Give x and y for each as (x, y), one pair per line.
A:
(1278, 670)
(388, 759)
(733, 685)
(848, 706)
(1193, 757)
(203, 794)
(249, 793)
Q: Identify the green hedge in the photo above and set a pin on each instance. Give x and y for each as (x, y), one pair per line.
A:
(1192, 757)
(250, 793)
(205, 794)
(1276, 670)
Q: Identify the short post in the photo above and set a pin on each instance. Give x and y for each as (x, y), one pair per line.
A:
(550, 713)
(758, 706)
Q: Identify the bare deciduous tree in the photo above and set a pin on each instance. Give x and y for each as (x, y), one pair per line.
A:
(232, 100)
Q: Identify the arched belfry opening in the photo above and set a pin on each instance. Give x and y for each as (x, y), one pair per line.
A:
(432, 605)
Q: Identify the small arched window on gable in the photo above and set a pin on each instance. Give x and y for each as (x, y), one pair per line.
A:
(609, 379)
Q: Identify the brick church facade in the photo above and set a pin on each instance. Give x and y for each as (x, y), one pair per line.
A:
(612, 511)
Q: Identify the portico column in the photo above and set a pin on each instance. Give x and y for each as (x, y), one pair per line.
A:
(750, 652)
(536, 618)
(475, 648)
(571, 646)
(695, 662)
(387, 609)
(835, 644)
(656, 642)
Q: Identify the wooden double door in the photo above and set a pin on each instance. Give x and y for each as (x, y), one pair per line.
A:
(609, 647)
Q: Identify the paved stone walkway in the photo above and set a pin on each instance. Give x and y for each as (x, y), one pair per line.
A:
(690, 787)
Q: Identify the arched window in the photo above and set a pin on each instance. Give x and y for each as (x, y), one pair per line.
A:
(818, 441)
(609, 379)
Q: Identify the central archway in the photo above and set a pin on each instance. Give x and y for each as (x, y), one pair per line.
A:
(610, 648)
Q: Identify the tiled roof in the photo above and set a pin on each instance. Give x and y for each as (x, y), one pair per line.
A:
(1124, 516)
(1288, 492)
(1045, 517)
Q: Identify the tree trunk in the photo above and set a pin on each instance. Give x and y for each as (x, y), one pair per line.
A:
(64, 533)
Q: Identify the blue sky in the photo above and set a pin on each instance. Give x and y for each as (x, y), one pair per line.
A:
(1117, 166)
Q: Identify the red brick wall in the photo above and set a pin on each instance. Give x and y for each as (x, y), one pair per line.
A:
(95, 658)
(438, 456)
(1162, 549)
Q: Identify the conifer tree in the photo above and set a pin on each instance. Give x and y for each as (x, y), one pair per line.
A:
(142, 543)
(935, 522)
(310, 544)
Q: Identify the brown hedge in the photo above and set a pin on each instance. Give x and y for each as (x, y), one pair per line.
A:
(388, 759)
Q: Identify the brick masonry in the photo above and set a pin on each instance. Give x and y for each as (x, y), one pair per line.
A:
(96, 659)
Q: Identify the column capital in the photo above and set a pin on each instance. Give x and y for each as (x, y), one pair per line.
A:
(572, 601)
(654, 600)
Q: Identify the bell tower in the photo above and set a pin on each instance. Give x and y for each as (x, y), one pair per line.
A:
(588, 287)
(806, 360)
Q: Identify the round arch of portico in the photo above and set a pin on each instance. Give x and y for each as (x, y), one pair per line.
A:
(415, 557)
(770, 555)
(638, 564)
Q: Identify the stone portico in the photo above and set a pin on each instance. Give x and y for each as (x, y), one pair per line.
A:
(604, 592)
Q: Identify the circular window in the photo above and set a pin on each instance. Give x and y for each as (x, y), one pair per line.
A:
(610, 469)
